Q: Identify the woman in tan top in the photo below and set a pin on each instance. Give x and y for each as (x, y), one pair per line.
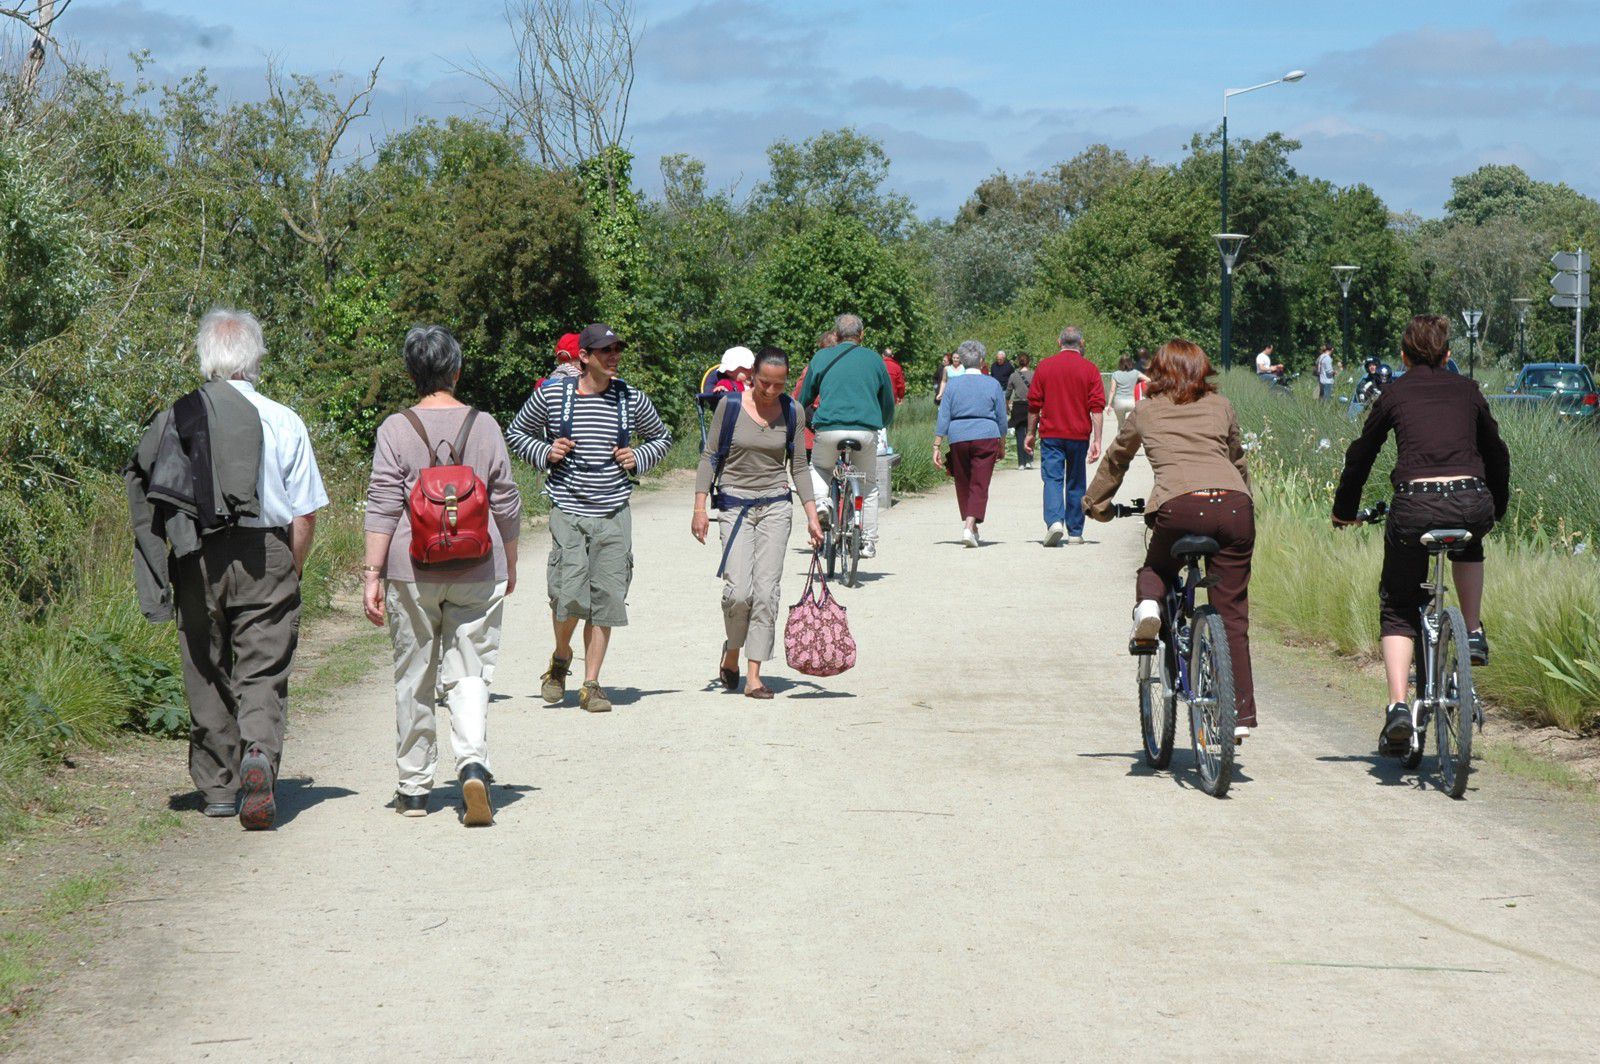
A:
(751, 493)
(1190, 434)
(443, 617)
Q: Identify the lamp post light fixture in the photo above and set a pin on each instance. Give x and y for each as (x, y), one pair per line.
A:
(1227, 266)
(1523, 306)
(1472, 318)
(1229, 246)
(1344, 275)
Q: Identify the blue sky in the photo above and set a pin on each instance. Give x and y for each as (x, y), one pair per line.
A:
(1402, 96)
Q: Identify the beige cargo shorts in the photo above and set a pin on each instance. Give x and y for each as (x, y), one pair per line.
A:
(590, 567)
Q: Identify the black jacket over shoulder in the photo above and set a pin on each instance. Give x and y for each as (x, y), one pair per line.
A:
(1442, 428)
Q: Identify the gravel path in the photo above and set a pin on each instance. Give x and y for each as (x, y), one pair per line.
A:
(953, 852)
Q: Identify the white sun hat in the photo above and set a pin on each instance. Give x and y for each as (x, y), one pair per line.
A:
(737, 358)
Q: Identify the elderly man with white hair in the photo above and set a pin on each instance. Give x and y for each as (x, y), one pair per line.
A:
(224, 491)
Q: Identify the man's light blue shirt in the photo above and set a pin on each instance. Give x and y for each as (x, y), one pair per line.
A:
(290, 485)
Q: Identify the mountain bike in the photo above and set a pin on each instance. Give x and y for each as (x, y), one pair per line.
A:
(841, 543)
(1190, 661)
(1441, 677)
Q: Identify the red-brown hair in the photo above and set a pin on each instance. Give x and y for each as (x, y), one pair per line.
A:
(1180, 369)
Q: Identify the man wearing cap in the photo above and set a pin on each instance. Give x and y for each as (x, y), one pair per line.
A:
(581, 432)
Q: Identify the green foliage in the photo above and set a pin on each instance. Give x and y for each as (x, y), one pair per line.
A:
(1033, 326)
(837, 174)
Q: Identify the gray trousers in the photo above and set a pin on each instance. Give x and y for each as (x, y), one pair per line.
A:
(238, 604)
(446, 638)
(825, 453)
(750, 583)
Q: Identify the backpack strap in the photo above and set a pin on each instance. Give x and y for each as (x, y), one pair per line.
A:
(569, 401)
(457, 449)
(458, 452)
(791, 421)
(730, 418)
(624, 413)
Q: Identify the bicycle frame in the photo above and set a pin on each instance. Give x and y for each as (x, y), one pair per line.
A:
(1430, 692)
(844, 476)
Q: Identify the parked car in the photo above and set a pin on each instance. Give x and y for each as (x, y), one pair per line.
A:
(1567, 386)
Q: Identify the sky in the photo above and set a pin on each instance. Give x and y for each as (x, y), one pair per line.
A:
(1399, 96)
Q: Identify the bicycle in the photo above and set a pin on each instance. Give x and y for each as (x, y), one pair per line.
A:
(1188, 660)
(1441, 677)
(841, 543)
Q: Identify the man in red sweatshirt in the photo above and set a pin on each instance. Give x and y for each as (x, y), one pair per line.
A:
(1066, 409)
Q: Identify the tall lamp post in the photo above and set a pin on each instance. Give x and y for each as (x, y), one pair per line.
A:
(1227, 265)
(1472, 318)
(1344, 275)
(1522, 306)
(1228, 245)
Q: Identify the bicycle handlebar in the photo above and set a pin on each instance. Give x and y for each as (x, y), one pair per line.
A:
(1132, 509)
(1374, 514)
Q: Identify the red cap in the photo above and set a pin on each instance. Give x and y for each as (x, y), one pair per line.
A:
(567, 348)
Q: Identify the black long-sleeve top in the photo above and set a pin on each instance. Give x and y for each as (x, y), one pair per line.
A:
(1442, 428)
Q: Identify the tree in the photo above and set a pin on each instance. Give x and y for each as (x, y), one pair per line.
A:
(1053, 197)
(837, 174)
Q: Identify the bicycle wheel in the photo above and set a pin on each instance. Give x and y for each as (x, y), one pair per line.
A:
(1211, 709)
(1157, 719)
(1458, 703)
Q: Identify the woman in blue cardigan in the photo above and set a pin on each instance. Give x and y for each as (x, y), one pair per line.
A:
(973, 418)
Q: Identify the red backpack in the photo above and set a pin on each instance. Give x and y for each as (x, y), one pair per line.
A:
(449, 504)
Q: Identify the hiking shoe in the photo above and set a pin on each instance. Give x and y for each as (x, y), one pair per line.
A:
(479, 810)
(1478, 646)
(592, 699)
(1053, 534)
(1396, 737)
(222, 809)
(1146, 622)
(410, 804)
(257, 805)
(553, 684)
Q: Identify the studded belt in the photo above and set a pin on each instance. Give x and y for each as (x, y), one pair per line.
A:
(1440, 487)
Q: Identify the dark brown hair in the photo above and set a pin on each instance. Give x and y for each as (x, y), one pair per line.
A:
(1180, 369)
(1125, 363)
(1426, 340)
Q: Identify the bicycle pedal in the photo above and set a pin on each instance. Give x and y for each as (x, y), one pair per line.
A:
(1142, 647)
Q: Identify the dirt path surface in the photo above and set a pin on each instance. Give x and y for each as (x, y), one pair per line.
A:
(953, 852)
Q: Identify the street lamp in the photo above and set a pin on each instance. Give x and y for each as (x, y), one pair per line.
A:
(1227, 266)
(1344, 275)
(1472, 317)
(1522, 306)
(1228, 245)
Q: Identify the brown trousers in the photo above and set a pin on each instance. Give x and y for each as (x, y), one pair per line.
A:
(972, 464)
(238, 601)
(1229, 518)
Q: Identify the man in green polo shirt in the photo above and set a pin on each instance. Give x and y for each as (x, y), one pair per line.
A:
(857, 400)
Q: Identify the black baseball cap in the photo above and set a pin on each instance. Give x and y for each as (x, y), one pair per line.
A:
(594, 337)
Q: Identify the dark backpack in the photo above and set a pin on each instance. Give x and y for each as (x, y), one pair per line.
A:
(719, 458)
(569, 402)
(449, 504)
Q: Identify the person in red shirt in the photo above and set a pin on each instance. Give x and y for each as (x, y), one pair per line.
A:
(1066, 411)
(897, 374)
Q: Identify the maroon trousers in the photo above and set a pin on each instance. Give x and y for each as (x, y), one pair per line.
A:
(1228, 518)
(972, 464)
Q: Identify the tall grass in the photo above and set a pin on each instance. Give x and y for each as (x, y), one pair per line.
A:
(1315, 584)
(912, 436)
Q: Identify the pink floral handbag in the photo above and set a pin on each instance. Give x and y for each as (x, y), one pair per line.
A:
(816, 639)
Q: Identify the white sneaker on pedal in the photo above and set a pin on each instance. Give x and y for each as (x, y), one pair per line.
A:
(1054, 534)
(869, 550)
(1240, 734)
(1146, 621)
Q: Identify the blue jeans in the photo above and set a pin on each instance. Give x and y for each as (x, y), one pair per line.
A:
(1064, 482)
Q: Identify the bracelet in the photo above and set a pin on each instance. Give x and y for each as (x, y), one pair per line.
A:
(699, 511)
(374, 569)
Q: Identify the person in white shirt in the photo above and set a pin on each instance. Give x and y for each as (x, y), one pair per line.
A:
(1267, 369)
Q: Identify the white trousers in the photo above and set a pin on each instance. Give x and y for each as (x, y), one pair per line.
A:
(446, 639)
(825, 452)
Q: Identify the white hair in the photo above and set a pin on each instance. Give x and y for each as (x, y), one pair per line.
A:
(848, 326)
(1072, 338)
(970, 353)
(230, 345)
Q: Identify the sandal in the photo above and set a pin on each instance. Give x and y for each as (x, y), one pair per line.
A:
(729, 677)
(758, 692)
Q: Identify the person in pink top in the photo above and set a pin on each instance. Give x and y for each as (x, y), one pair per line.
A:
(1066, 412)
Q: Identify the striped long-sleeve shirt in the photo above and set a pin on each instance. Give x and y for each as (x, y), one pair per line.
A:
(593, 485)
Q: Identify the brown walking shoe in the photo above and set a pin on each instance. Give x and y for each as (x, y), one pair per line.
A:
(592, 699)
(554, 681)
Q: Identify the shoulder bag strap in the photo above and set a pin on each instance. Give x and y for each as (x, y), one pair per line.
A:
(790, 423)
(728, 408)
(825, 369)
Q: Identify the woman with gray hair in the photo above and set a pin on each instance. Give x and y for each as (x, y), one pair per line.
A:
(443, 616)
(973, 418)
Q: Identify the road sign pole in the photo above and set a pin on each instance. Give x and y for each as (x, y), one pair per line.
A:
(1577, 311)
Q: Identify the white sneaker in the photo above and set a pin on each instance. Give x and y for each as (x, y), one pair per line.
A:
(869, 550)
(1076, 541)
(1240, 734)
(968, 536)
(1053, 534)
(1146, 621)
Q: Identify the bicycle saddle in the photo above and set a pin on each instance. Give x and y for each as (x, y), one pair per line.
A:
(1192, 546)
(1446, 538)
(849, 445)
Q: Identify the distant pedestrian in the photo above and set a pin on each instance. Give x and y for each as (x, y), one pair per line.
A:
(1002, 369)
(825, 339)
(897, 374)
(1268, 370)
(224, 492)
(1066, 414)
(444, 615)
(973, 419)
(946, 363)
(1017, 396)
(1327, 373)
(749, 483)
(1125, 380)
(582, 433)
